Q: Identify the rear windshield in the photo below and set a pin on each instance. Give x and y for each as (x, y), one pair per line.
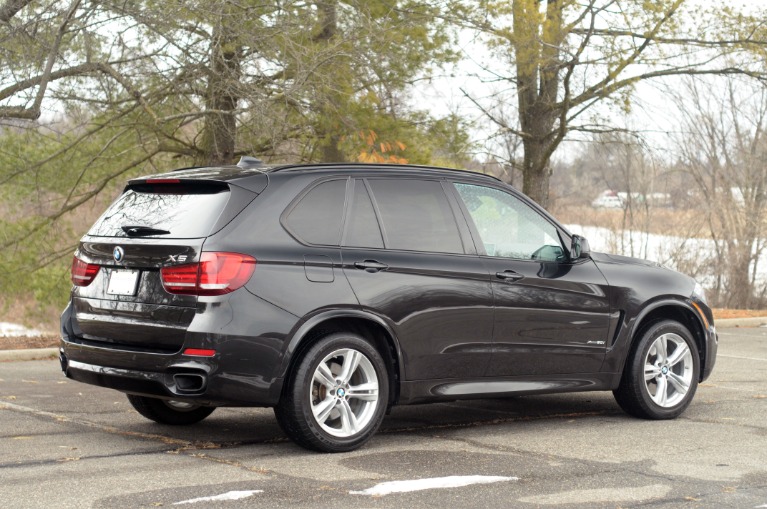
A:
(182, 210)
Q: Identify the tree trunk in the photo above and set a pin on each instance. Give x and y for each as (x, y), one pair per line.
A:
(741, 291)
(330, 153)
(220, 130)
(536, 172)
(537, 39)
(327, 28)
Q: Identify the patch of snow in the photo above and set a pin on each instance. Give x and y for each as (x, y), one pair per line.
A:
(639, 244)
(230, 495)
(455, 481)
(664, 249)
(8, 329)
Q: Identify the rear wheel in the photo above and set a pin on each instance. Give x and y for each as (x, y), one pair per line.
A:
(169, 411)
(661, 375)
(337, 395)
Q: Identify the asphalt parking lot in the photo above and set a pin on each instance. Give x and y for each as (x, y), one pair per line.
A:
(65, 444)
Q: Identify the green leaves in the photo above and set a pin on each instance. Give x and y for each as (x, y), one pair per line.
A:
(142, 87)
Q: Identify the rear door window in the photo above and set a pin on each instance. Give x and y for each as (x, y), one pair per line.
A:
(362, 228)
(317, 217)
(182, 210)
(416, 215)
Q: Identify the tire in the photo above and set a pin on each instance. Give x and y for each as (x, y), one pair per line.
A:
(172, 412)
(661, 375)
(336, 396)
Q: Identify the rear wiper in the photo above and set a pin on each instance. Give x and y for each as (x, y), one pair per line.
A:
(138, 231)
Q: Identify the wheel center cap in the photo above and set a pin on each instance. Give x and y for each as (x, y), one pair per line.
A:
(341, 393)
(664, 370)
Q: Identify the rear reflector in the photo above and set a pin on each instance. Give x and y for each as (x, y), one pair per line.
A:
(217, 273)
(83, 273)
(200, 352)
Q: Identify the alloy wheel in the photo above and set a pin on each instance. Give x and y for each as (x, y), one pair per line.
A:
(668, 370)
(344, 393)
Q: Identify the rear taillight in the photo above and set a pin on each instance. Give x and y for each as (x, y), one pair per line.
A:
(83, 273)
(215, 274)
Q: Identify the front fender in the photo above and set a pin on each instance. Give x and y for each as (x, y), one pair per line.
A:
(668, 308)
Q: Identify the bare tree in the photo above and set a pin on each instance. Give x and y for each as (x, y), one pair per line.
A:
(566, 57)
(724, 151)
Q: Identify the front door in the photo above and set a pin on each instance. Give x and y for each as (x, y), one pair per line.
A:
(551, 314)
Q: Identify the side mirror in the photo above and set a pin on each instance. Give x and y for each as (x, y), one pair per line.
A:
(579, 248)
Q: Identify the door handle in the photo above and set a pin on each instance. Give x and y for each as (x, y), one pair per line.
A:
(509, 275)
(371, 266)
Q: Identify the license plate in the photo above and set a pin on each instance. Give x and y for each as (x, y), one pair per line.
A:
(123, 282)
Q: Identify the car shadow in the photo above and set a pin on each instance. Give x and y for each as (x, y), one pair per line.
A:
(235, 427)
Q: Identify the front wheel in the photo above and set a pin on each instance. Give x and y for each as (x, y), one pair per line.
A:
(661, 375)
(336, 397)
(169, 411)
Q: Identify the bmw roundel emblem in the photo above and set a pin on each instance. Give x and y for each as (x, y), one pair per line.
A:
(118, 254)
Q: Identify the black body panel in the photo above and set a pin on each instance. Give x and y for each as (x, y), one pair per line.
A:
(151, 318)
(440, 306)
(554, 320)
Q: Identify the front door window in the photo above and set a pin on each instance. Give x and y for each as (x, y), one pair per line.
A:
(508, 227)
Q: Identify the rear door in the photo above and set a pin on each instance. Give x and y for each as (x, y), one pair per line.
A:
(408, 260)
(551, 315)
(150, 226)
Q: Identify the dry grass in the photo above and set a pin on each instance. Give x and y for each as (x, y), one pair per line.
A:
(23, 343)
(720, 313)
(679, 223)
(29, 313)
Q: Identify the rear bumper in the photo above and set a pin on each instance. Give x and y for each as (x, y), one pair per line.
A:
(182, 379)
(228, 378)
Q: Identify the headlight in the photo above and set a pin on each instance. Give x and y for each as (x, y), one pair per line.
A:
(699, 293)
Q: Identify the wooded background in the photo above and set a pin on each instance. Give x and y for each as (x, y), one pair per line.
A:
(95, 92)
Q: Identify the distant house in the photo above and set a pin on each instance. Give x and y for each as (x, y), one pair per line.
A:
(610, 199)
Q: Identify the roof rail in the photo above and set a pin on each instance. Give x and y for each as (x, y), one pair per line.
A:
(368, 166)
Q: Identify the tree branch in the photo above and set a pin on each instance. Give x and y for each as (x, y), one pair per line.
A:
(10, 8)
(499, 122)
(35, 109)
(82, 199)
(684, 71)
(602, 86)
(684, 41)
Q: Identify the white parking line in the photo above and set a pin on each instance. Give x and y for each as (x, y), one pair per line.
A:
(229, 495)
(455, 481)
(738, 357)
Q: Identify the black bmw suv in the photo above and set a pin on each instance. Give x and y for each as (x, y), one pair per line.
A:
(332, 292)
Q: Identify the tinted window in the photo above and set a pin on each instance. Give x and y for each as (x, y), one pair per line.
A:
(416, 215)
(184, 210)
(316, 219)
(362, 229)
(509, 227)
